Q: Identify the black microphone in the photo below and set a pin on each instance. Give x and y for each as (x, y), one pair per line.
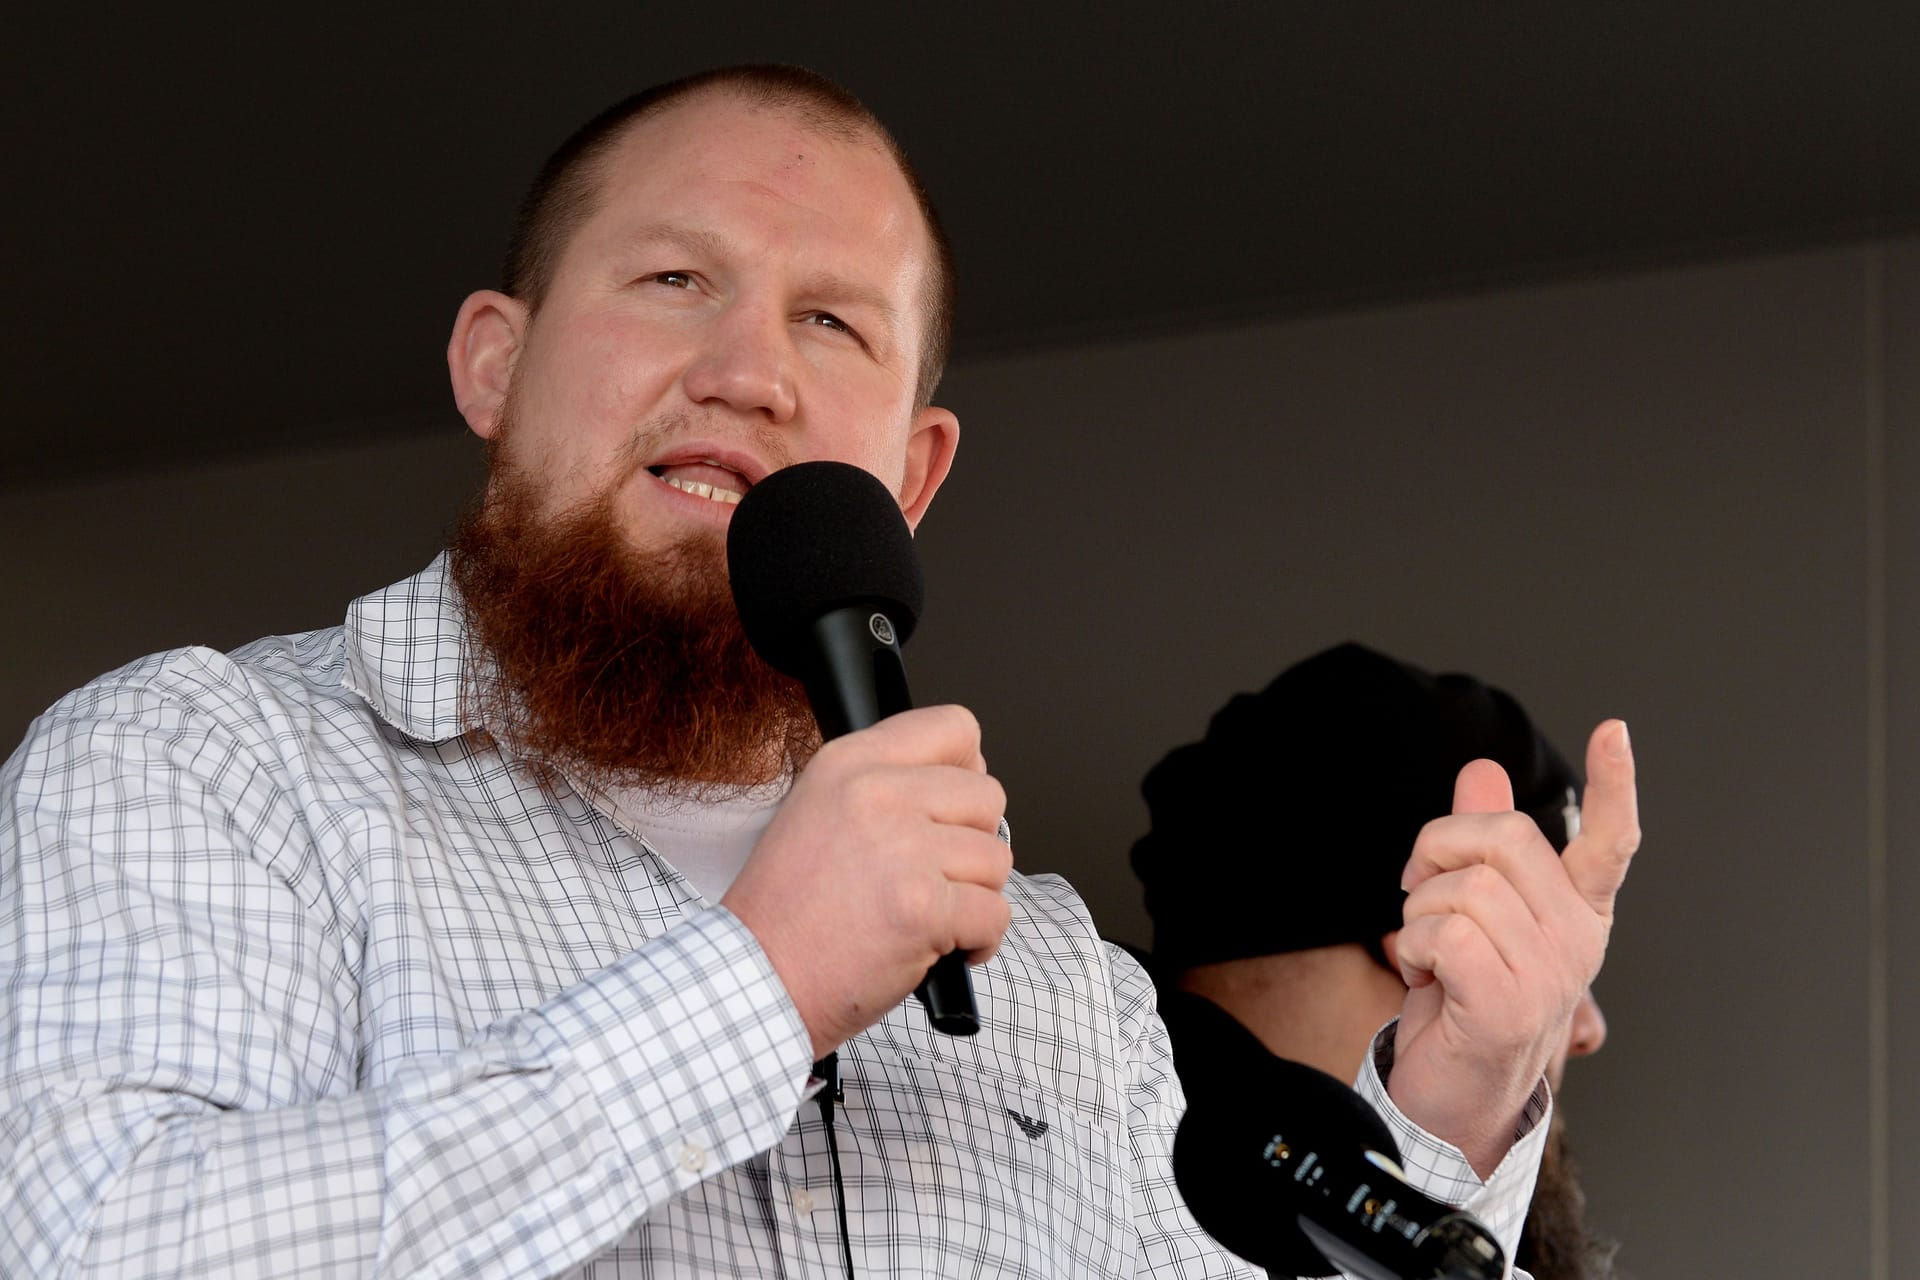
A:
(828, 586)
(1292, 1170)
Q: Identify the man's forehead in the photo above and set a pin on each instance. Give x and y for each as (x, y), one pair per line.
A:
(716, 134)
(715, 121)
(779, 149)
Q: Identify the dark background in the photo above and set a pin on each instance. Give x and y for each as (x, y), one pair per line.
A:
(214, 211)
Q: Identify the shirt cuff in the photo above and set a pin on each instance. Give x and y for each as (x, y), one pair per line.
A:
(692, 1047)
(1438, 1168)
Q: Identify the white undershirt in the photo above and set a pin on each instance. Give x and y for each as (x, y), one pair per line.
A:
(705, 841)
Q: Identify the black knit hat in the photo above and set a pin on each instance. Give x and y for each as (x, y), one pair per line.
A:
(1287, 827)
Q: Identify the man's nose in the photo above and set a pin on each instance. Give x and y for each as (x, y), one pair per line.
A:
(745, 363)
(1589, 1028)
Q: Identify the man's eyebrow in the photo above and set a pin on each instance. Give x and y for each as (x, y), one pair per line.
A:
(840, 291)
(694, 241)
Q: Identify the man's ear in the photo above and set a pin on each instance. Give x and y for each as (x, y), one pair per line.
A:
(930, 450)
(487, 334)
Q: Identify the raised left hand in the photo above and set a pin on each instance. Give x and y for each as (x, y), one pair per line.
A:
(1501, 941)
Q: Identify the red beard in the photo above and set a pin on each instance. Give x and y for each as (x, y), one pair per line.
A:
(611, 667)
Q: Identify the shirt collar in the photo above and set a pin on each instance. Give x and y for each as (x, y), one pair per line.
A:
(406, 652)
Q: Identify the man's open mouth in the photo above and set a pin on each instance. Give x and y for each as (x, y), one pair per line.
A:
(705, 479)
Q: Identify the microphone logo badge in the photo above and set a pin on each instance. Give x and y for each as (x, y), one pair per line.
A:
(882, 628)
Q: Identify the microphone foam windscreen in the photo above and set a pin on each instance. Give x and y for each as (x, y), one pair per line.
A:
(812, 538)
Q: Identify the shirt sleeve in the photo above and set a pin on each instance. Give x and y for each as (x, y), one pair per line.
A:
(1438, 1168)
(1172, 1244)
(179, 1028)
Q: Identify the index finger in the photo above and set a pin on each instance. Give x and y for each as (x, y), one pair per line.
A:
(1481, 787)
(1596, 860)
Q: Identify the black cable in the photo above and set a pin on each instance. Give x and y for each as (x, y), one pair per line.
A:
(828, 1069)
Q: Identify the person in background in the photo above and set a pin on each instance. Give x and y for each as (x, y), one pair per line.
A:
(1376, 744)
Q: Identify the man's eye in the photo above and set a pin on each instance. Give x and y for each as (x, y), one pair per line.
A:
(673, 279)
(829, 320)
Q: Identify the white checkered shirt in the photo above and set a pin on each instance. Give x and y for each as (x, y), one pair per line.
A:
(299, 979)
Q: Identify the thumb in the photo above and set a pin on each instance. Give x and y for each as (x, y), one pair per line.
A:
(1610, 829)
(1482, 787)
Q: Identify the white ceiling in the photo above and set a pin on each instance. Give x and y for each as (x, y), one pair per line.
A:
(249, 232)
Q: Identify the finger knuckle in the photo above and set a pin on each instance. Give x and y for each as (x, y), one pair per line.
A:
(1516, 829)
(997, 794)
(1456, 931)
(959, 720)
(913, 903)
(1482, 879)
(1002, 863)
(866, 790)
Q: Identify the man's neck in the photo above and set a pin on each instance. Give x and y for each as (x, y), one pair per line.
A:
(1320, 1006)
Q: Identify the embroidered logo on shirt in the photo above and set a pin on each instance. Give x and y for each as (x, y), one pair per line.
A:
(1028, 1125)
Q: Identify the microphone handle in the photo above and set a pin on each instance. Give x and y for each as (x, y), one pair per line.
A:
(861, 680)
(1291, 1170)
(1455, 1247)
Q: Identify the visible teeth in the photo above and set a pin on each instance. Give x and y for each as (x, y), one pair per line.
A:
(707, 491)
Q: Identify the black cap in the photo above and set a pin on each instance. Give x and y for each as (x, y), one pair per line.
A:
(1288, 825)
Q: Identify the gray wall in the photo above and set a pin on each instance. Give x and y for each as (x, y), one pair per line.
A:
(1681, 497)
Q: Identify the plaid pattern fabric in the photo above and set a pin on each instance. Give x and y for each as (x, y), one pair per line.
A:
(300, 980)
(1438, 1168)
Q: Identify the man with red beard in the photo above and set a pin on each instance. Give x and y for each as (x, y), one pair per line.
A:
(1379, 742)
(499, 931)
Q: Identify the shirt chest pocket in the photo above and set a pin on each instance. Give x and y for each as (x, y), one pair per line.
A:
(984, 1168)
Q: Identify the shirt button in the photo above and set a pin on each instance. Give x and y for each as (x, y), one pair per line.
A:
(692, 1158)
(803, 1202)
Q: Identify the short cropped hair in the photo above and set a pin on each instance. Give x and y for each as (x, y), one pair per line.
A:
(564, 194)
